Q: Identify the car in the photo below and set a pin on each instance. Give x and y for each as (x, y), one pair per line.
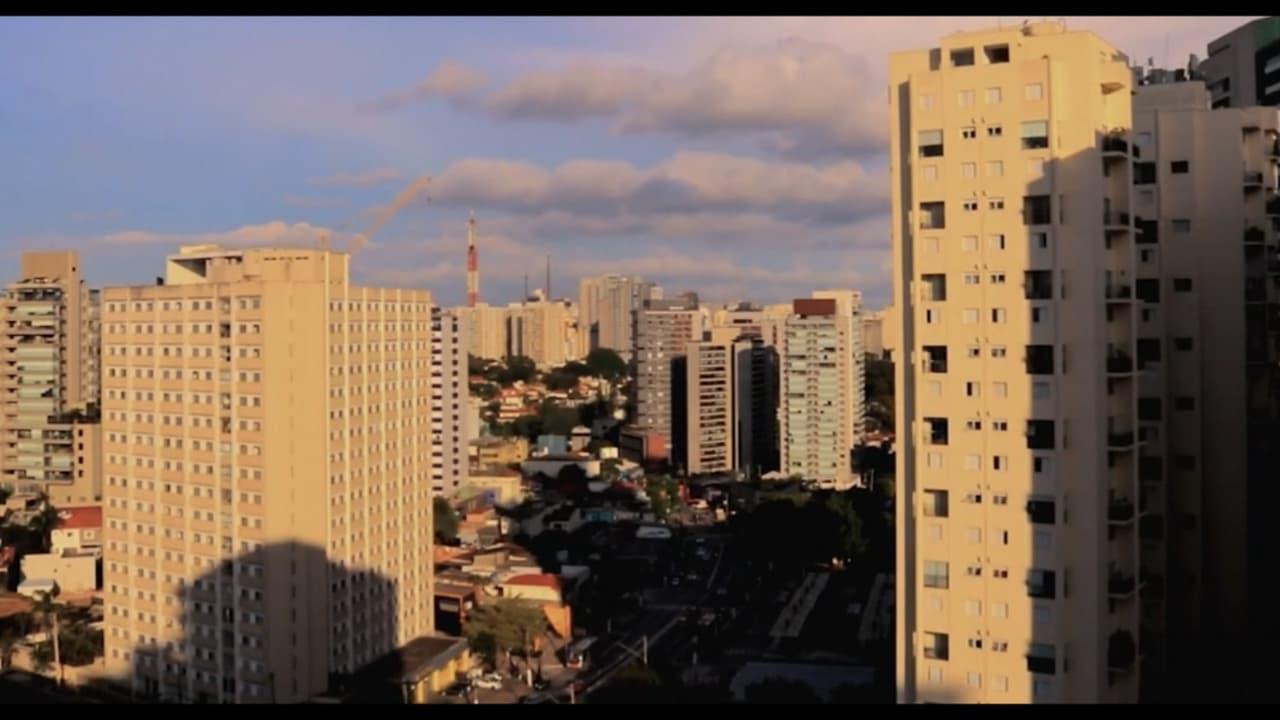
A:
(489, 682)
(457, 689)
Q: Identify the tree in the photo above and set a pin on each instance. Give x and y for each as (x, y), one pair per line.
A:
(560, 380)
(664, 494)
(446, 520)
(476, 365)
(505, 625)
(527, 426)
(484, 390)
(520, 369)
(607, 364)
(781, 691)
(46, 609)
(576, 369)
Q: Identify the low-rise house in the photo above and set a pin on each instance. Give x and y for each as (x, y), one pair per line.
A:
(495, 452)
(77, 528)
(73, 570)
(551, 465)
(413, 674)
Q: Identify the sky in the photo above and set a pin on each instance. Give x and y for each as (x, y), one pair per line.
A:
(744, 158)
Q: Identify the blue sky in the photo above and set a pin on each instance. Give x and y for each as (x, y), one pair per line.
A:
(741, 157)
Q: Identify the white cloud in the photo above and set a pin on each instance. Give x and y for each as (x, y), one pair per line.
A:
(686, 183)
(276, 233)
(449, 79)
(364, 178)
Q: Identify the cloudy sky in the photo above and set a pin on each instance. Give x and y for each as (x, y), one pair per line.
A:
(744, 158)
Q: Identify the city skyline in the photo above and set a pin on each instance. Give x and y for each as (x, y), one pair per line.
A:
(641, 146)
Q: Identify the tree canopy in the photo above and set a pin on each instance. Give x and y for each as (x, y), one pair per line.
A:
(664, 494)
(504, 625)
(446, 520)
(606, 363)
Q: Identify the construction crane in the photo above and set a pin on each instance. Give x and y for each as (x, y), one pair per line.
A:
(384, 214)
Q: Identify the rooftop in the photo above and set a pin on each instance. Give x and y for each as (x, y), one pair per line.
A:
(80, 517)
(413, 661)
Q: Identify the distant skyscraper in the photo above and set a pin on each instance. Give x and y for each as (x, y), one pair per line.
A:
(607, 306)
(821, 396)
(730, 407)
(268, 440)
(449, 393)
(49, 344)
(663, 330)
(542, 330)
(1243, 67)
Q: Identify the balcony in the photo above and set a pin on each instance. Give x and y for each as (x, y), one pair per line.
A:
(1037, 285)
(1121, 586)
(1122, 652)
(1120, 512)
(1119, 363)
(1115, 220)
(1255, 236)
(1041, 664)
(1273, 205)
(1252, 179)
(1119, 292)
(1121, 440)
(1115, 146)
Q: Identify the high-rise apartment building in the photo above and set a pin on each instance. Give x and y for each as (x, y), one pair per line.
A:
(1243, 67)
(487, 330)
(1014, 256)
(731, 407)
(48, 386)
(449, 400)
(663, 330)
(267, 440)
(543, 331)
(607, 307)
(1208, 279)
(821, 391)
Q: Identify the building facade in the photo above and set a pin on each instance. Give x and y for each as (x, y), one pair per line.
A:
(450, 409)
(663, 330)
(49, 388)
(607, 307)
(1210, 394)
(267, 454)
(1243, 67)
(820, 397)
(1013, 246)
(543, 331)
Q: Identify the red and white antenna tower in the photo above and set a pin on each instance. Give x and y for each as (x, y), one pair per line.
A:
(473, 264)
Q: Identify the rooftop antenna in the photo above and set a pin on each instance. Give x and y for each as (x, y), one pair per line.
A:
(548, 286)
(473, 263)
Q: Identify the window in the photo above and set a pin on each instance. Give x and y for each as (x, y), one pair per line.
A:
(933, 215)
(972, 424)
(933, 459)
(1146, 255)
(1041, 584)
(931, 245)
(1036, 167)
(1039, 241)
(1000, 389)
(1144, 173)
(935, 675)
(995, 168)
(1036, 210)
(995, 131)
(975, 643)
(1000, 610)
(995, 204)
(935, 574)
(932, 316)
(973, 351)
(995, 242)
(1035, 135)
(1182, 284)
(971, 278)
(973, 679)
(997, 278)
(975, 536)
(1181, 226)
(1033, 91)
(970, 316)
(971, 389)
(962, 57)
(996, 54)
(926, 102)
(968, 169)
(970, 205)
(1043, 540)
(1040, 465)
(936, 646)
(930, 143)
(929, 173)
(935, 503)
(1042, 615)
(999, 462)
(1000, 425)
(992, 96)
(998, 315)
(969, 243)
(968, 133)
(964, 98)
(972, 462)
(1180, 167)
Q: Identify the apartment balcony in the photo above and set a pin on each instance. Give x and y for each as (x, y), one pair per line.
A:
(1273, 205)
(1041, 665)
(1252, 180)
(1121, 586)
(1119, 363)
(1122, 652)
(1115, 147)
(1122, 440)
(1255, 236)
(1120, 512)
(1115, 220)
(1119, 292)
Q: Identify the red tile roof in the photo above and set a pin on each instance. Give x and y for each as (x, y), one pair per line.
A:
(539, 580)
(77, 518)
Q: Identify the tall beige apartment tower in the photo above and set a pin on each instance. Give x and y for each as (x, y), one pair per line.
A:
(664, 329)
(821, 388)
(1013, 248)
(267, 443)
(48, 380)
(449, 394)
(1208, 275)
(607, 308)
